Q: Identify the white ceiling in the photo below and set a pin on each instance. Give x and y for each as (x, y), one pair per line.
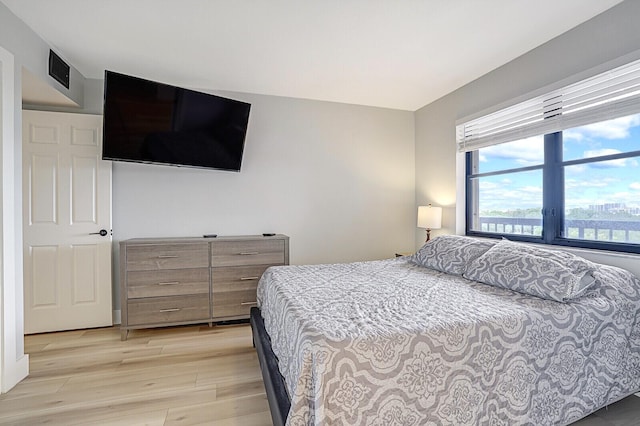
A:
(399, 54)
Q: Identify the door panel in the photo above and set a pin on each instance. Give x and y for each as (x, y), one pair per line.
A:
(84, 136)
(83, 189)
(45, 134)
(84, 283)
(44, 273)
(43, 189)
(67, 196)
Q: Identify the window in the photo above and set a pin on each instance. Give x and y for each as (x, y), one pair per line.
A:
(602, 181)
(543, 172)
(505, 187)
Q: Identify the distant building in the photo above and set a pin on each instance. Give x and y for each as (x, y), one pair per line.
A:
(615, 208)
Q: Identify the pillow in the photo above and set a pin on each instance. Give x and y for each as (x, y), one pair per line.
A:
(450, 253)
(549, 274)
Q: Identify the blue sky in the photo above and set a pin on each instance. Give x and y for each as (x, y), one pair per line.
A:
(616, 181)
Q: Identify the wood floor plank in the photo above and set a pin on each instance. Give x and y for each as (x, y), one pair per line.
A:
(149, 418)
(154, 418)
(91, 377)
(72, 396)
(206, 414)
(117, 388)
(28, 388)
(101, 410)
(235, 390)
(256, 419)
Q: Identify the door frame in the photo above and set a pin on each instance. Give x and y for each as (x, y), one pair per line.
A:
(14, 364)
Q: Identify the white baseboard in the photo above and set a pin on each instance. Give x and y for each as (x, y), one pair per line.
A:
(117, 319)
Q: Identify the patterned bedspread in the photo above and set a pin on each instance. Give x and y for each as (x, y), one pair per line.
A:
(389, 342)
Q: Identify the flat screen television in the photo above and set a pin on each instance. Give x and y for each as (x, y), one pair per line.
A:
(150, 122)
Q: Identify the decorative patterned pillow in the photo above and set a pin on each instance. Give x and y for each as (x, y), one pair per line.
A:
(549, 274)
(450, 253)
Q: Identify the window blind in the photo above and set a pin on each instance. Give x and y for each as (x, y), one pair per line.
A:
(609, 95)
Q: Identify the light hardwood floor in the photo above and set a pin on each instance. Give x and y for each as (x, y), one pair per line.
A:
(192, 375)
(169, 376)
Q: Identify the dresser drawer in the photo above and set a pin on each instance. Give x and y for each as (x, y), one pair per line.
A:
(172, 282)
(233, 303)
(236, 277)
(252, 252)
(159, 310)
(234, 289)
(167, 256)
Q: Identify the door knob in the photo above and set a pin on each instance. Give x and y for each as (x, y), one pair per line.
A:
(102, 232)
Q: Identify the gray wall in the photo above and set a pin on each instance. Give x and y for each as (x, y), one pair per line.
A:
(338, 179)
(608, 40)
(25, 50)
(32, 52)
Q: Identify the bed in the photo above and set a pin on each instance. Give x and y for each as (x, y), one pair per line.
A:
(464, 332)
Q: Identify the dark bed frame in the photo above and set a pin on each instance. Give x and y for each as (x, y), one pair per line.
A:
(274, 384)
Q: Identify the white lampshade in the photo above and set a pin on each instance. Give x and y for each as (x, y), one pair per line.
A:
(429, 217)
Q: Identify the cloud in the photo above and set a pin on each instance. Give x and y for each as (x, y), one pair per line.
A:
(600, 152)
(581, 202)
(531, 189)
(635, 186)
(524, 152)
(599, 183)
(485, 185)
(621, 163)
(577, 168)
(506, 194)
(573, 135)
(618, 128)
(620, 197)
(584, 201)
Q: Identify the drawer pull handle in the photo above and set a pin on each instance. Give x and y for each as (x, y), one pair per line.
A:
(170, 310)
(249, 278)
(249, 253)
(249, 303)
(167, 256)
(170, 283)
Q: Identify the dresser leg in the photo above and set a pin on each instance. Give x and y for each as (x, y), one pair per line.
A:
(123, 334)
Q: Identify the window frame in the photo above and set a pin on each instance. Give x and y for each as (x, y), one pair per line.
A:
(552, 198)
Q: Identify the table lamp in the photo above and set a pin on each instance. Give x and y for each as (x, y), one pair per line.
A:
(429, 217)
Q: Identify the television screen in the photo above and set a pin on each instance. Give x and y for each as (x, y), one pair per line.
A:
(150, 122)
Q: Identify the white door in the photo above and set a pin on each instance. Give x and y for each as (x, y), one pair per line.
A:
(67, 202)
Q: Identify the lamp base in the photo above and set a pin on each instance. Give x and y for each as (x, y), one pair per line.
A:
(428, 235)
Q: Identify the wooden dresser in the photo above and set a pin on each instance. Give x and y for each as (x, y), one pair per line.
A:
(175, 281)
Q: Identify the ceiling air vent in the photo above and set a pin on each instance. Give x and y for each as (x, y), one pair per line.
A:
(58, 69)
